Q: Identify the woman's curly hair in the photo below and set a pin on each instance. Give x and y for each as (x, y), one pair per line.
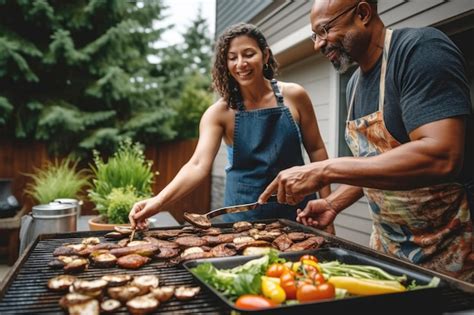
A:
(222, 81)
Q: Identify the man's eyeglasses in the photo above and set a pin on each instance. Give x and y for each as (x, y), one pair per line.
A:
(323, 30)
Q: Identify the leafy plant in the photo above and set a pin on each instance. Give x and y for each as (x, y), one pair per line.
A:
(128, 170)
(120, 201)
(58, 179)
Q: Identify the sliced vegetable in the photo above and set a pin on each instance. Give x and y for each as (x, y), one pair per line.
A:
(366, 286)
(272, 290)
(309, 257)
(253, 302)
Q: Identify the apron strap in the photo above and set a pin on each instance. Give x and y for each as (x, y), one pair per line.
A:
(383, 70)
(276, 91)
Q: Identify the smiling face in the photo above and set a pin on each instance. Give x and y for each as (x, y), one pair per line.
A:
(343, 40)
(245, 60)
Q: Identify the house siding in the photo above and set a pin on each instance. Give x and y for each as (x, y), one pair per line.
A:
(287, 28)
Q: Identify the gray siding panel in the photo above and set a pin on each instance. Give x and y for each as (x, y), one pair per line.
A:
(232, 12)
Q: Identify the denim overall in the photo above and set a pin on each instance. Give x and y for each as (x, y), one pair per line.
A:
(429, 226)
(266, 141)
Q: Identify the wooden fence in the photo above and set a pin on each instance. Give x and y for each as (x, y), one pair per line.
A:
(18, 158)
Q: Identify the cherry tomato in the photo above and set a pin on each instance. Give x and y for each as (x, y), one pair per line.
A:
(310, 292)
(275, 270)
(309, 257)
(309, 270)
(253, 302)
(318, 278)
(288, 283)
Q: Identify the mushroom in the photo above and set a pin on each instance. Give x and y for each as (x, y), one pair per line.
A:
(104, 260)
(142, 304)
(73, 298)
(61, 283)
(110, 305)
(91, 241)
(84, 286)
(242, 226)
(90, 307)
(163, 294)
(77, 265)
(116, 280)
(123, 294)
(145, 282)
(185, 293)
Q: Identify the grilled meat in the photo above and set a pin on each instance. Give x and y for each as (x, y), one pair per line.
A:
(133, 261)
(223, 250)
(198, 220)
(242, 226)
(297, 236)
(282, 242)
(216, 240)
(143, 250)
(259, 226)
(310, 243)
(213, 231)
(163, 234)
(166, 253)
(190, 241)
(114, 235)
(240, 247)
(242, 240)
(193, 256)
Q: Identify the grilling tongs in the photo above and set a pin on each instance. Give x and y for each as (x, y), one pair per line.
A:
(203, 220)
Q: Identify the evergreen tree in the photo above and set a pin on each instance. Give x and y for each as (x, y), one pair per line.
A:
(187, 67)
(76, 74)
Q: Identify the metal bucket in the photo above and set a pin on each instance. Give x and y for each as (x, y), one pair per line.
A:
(75, 202)
(49, 218)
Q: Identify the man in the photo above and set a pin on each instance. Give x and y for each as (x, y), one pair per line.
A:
(408, 130)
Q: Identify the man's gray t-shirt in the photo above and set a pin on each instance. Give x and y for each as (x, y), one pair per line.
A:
(425, 82)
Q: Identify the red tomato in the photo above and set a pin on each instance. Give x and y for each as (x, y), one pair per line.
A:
(309, 271)
(275, 270)
(310, 292)
(253, 302)
(318, 278)
(288, 284)
(309, 257)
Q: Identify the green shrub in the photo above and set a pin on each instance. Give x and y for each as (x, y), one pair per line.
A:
(58, 179)
(126, 169)
(120, 201)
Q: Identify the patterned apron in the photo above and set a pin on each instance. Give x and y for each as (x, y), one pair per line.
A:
(429, 226)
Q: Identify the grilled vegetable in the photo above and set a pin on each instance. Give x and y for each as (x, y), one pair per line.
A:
(116, 280)
(84, 286)
(163, 294)
(77, 265)
(123, 294)
(186, 293)
(91, 241)
(73, 298)
(104, 260)
(366, 286)
(142, 304)
(133, 261)
(145, 283)
(90, 307)
(110, 305)
(61, 283)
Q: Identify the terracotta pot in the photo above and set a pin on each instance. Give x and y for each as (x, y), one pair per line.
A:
(97, 224)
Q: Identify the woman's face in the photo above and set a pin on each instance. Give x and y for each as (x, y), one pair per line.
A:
(245, 60)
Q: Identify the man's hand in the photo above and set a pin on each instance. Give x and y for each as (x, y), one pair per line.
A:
(293, 184)
(318, 213)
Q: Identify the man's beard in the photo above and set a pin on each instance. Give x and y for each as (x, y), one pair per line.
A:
(344, 61)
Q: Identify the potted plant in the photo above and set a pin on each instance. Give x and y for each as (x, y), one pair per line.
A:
(118, 183)
(57, 180)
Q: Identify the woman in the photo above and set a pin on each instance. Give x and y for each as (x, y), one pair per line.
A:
(263, 123)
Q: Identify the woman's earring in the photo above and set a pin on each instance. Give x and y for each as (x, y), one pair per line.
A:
(265, 66)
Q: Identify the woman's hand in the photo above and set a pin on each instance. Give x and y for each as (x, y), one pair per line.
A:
(141, 211)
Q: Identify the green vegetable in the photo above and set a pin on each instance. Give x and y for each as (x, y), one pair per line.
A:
(244, 279)
(432, 284)
(335, 268)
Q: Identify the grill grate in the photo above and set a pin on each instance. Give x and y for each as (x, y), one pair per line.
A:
(26, 291)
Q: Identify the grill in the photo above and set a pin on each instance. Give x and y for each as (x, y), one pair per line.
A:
(25, 291)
